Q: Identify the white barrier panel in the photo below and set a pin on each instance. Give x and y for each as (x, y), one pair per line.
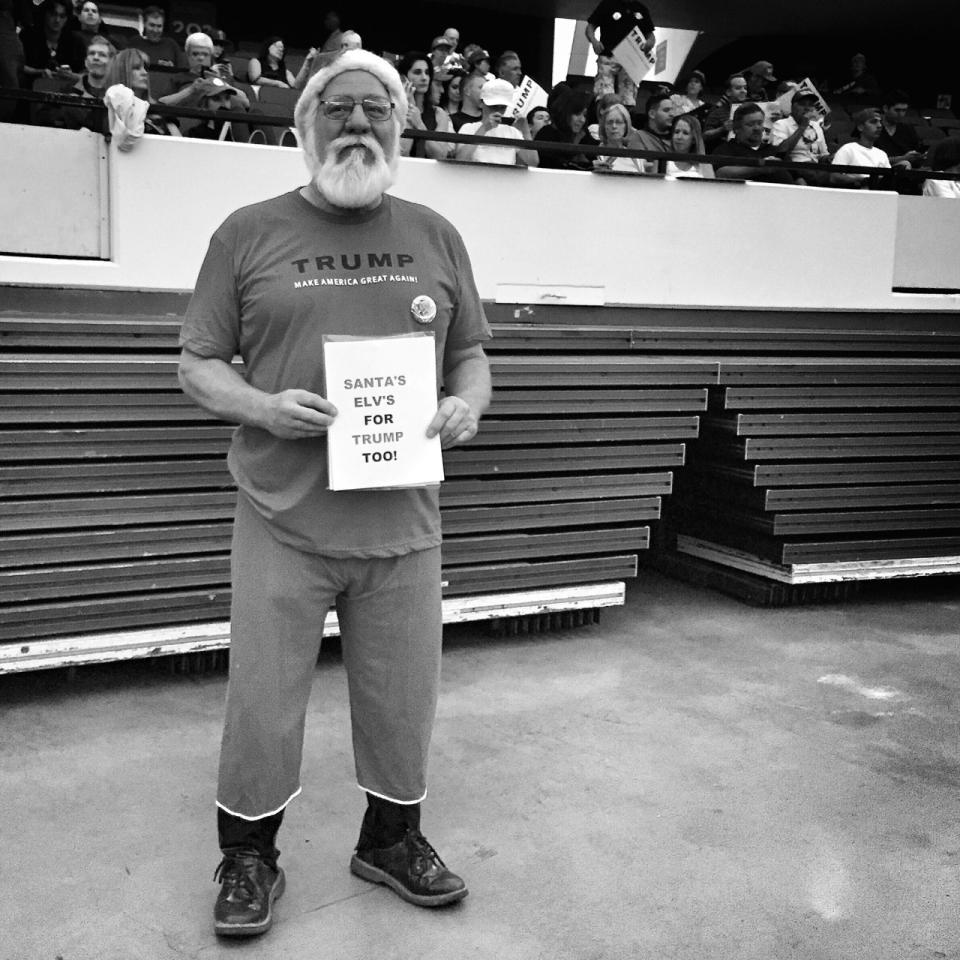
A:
(928, 238)
(624, 239)
(54, 196)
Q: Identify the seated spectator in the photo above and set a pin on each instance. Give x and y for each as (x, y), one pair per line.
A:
(799, 138)
(440, 49)
(747, 141)
(944, 158)
(898, 140)
(686, 136)
(221, 62)
(269, 68)
(537, 119)
(495, 97)
(331, 24)
(416, 70)
(162, 51)
(861, 85)
(656, 136)
(569, 125)
(91, 24)
(451, 95)
(861, 151)
(509, 68)
(51, 50)
(90, 85)
(601, 106)
(689, 101)
(129, 69)
(316, 58)
(471, 107)
(761, 83)
(214, 94)
(616, 130)
(199, 52)
(718, 124)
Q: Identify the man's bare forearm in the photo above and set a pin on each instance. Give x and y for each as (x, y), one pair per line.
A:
(470, 380)
(218, 388)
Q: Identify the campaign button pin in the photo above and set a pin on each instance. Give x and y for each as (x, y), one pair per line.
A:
(423, 308)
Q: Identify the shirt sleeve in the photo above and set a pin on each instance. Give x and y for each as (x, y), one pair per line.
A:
(778, 133)
(211, 327)
(469, 322)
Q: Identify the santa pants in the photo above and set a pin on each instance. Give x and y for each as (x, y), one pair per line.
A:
(390, 625)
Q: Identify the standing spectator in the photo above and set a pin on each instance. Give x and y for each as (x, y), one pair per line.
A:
(13, 14)
(747, 141)
(51, 50)
(689, 101)
(331, 24)
(496, 97)
(718, 124)
(509, 67)
(471, 107)
(616, 130)
(861, 85)
(569, 126)
(478, 60)
(376, 554)
(615, 19)
(269, 68)
(416, 70)
(944, 158)
(91, 23)
(162, 51)
(453, 35)
(898, 140)
(862, 151)
(440, 49)
(656, 136)
(686, 136)
(761, 82)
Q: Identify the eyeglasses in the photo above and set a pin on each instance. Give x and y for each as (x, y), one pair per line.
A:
(374, 108)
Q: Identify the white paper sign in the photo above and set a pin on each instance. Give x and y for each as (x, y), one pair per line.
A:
(528, 95)
(385, 392)
(631, 56)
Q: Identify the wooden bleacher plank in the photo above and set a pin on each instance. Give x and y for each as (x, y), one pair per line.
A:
(463, 550)
(83, 407)
(56, 479)
(833, 447)
(596, 400)
(823, 424)
(777, 371)
(461, 520)
(468, 460)
(859, 471)
(823, 396)
(60, 333)
(615, 370)
(517, 433)
(855, 497)
(455, 493)
(519, 576)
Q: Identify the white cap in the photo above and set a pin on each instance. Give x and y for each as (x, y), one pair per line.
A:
(495, 92)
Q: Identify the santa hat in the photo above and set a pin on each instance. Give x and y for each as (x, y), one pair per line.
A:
(305, 114)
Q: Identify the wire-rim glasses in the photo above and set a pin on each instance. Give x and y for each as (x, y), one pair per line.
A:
(339, 108)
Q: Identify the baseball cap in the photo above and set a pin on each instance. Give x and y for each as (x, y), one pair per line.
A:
(763, 68)
(477, 56)
(805, 96)
(213, 87)
(441, 42)
(495, 92)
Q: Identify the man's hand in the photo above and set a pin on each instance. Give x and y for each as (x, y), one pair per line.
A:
(297, 414)
(455, 421)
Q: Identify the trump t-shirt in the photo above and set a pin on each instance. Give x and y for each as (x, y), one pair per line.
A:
(279, 276)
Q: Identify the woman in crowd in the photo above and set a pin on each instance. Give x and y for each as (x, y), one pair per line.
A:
(451, 98)
(129, 67)
(269, 68)
(416, 70)
(689, 100)
(569, 125)
(686, 136)
(617, 131)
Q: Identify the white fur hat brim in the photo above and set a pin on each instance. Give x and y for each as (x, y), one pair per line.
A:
(305, 114)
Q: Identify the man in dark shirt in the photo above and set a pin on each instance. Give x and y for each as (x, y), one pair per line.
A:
(615, 19)
(748, 142)
(898, 140)
(718, 123)
(162, 51)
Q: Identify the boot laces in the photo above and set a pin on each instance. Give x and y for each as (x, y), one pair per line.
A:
(239, 873)
(421, 852)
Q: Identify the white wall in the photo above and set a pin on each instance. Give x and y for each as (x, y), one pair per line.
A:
(928, 243)
(530, 233)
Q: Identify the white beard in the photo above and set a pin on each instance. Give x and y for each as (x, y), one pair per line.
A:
(352, 181)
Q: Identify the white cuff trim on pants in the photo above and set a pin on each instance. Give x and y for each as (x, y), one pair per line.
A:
(260, 816)
(382, 796)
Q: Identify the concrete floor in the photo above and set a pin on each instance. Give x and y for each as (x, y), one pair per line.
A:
(691, 778)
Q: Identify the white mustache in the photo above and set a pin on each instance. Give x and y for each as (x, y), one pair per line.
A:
(336, 147)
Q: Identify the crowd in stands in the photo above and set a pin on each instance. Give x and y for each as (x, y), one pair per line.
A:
(758, 128)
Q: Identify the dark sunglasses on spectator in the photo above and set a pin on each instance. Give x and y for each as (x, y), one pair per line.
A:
(339, 108)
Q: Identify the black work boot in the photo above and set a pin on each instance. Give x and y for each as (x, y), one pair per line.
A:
(392, 851)
(250, 879)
